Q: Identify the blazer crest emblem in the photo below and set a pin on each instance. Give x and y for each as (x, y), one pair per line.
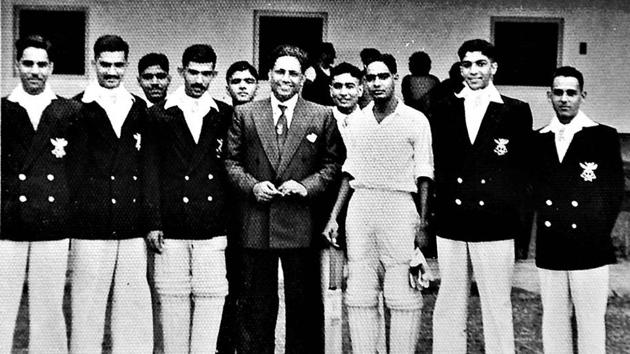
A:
(588, 171)
(501, 148)
(138, 138)
(59, 144)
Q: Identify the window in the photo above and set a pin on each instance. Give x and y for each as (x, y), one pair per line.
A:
(272, 28)
(64, 26)
(530, 49)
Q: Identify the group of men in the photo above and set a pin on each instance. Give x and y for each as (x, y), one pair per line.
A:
(222, 194)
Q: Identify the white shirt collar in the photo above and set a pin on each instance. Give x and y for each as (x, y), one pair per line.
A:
(340, 116)
(180, 99)
(489, 93)
(288, 113)
(95, 92)
(580, 121)
(23, 98)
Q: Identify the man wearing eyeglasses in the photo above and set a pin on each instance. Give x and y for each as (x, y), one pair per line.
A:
(480, 140)
(153, 77)
(389, 160)
(186, 202)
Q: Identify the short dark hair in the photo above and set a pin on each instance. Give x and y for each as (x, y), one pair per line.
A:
(346, 68)
(199, 53)
(152, 59)
(286, 50)
(241, 66)
(326, 48)
(36, 41)
(478, 45)
(367, 54)
(386, 59)
(569, 71)
(110, 43)
(419, 63)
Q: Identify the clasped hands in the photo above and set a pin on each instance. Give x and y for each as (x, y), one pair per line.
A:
(266, 191)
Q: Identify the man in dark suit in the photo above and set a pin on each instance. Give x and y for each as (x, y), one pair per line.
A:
(108, 244)
(186, 194)
(480, 142)
(34, 238)
(578, 192)
(283, 153)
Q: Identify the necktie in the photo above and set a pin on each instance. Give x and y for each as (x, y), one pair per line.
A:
(281, 126)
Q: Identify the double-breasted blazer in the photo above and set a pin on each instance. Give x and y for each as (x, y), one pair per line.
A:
(35, 191)
(481, 187)
(312, 155)
(578, 199)
(187, 191)
(108, 174)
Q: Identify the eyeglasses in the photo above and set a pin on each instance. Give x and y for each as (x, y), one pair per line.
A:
(149, 76)
(381, 76)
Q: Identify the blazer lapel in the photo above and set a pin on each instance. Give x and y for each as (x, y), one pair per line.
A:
(489, 123)
(205, 140)
(20, 123)
(179, 127)
(42, 137)
(297, 129)
(267, 133)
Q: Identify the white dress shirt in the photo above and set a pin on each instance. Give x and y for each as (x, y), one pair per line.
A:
(194, 109)
(116, 102)
(344, 120)
(475, 105)
(564, 132)
(33, 104)
(288, 112)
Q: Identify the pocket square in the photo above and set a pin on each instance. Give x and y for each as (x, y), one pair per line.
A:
(311, 137)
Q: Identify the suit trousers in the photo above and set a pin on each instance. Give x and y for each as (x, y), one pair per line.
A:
(44, 264)
(257, 306)
(586, 292)
(98, 266)
(492, 263)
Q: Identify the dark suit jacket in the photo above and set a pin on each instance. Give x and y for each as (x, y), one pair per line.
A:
(312, 155)
(480, 187)
(187, 190)
(575, 215)
(35, 194)
(108, 174)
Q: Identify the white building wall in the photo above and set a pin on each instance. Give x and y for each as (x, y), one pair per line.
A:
(399, 27)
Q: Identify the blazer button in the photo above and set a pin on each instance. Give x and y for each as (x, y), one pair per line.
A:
(574, 203)
(135, 178)
(186, 178)
(481, 203)
(483, 181)
(113, 200)
(134, 200)
(50, 177)
(22, 198)
(210, 176)
(186, 200)
(22, 177)
(548, 223)
(113, 178)
(458, 202)
(574, 226)
(209, 198)
(549, 202)
(460, 180)
(51, 199)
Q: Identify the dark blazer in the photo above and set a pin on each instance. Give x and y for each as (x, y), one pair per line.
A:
(187, 191)
(481, 187)
(35, 193)
(312, 155)
(576, 214)
(108, 174)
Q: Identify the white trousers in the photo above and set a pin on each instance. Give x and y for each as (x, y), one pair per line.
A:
(197, 268)
(97, 266)
(493, 266)
(561, 292)
(44, 264)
